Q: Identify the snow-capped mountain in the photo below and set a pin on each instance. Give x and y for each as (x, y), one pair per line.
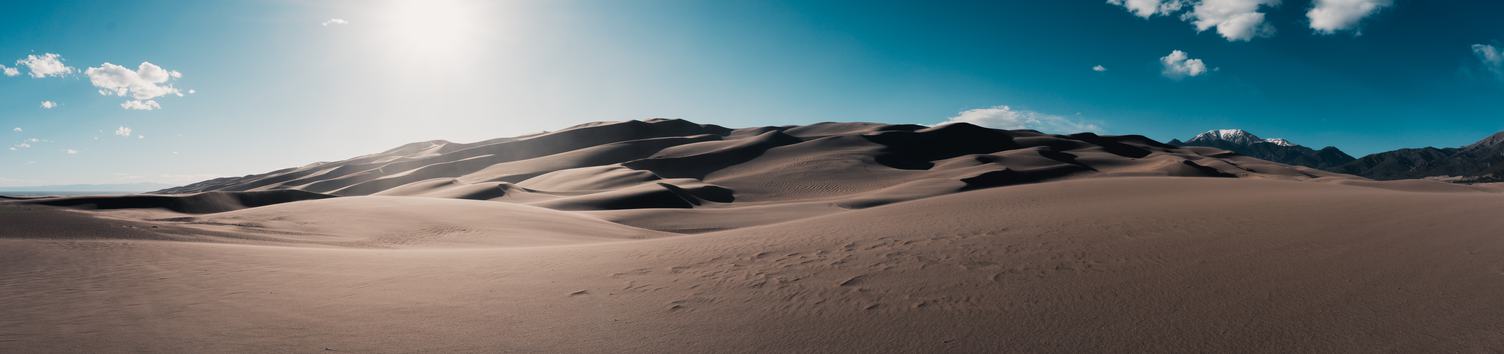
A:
(1280, 141)
(1235, 136)
(1276, 149)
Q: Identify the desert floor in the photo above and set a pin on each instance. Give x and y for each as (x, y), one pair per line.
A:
(1095, 265)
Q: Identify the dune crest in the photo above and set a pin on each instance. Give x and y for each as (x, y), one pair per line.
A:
(670, 163)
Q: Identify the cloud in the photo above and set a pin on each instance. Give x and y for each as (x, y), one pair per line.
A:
(17, 129)
(1491, 57)
(20, 146)
(123, 131)
(1180, 65)
(139, 105)
(1149, 8)
(1005, 117)
(1330, 16)
(335, 21)
(49, 105)
(1236, 20)
(9, 71)
(1099, 68)
(142, 85)
(47, 65)
(71, 151)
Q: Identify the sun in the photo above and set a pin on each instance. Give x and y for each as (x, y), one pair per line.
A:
(433, 27)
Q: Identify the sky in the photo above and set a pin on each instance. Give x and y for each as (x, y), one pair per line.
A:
(180, 91)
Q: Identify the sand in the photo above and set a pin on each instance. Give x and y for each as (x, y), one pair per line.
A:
(852, 248)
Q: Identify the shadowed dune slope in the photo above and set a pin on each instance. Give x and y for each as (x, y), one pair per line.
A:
(197, 203)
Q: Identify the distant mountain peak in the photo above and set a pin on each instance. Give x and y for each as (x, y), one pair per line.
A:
(1228, 134)
(1235, 136)
(1275, 149)
(1491, 140)
(1279, 141)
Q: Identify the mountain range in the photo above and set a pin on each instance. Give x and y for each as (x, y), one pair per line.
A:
(1276, 150)
(1482, 161)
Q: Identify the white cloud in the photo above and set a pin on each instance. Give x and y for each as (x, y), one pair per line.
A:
(1236, 20)
(20, 146)
(139, 105)
(142, 85)
(335, 21)
(49, 105)
(9, 71)
(1180, 65)
(123, 131)
(1005, 117)
(49, 64)
(71, 151)
(1330, 16)
(1149, 8)
(1491, 57)
(17, 129)
(1099, 68)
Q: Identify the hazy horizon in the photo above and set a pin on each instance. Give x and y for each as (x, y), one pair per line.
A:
(241, 87)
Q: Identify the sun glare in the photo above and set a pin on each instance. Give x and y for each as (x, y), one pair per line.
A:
(433, 27)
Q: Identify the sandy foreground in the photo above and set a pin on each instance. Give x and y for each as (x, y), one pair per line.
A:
(1090, 265)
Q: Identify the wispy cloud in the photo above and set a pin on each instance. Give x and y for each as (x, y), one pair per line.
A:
(49, 104)
(1099, 68)
(9, 71)
(1005, 117)
(335, 21)
(123, 132)
(1491, 57)
(139, 105)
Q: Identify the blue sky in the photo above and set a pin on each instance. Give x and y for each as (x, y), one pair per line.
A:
(272, 85)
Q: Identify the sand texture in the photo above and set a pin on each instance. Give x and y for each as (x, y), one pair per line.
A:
(670, 236)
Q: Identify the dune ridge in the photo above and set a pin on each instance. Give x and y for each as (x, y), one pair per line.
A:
(670, 163)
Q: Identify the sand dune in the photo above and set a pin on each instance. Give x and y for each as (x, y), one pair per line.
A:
(827, 161)
(1124, 264)
(395, 222)
(669, 236)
